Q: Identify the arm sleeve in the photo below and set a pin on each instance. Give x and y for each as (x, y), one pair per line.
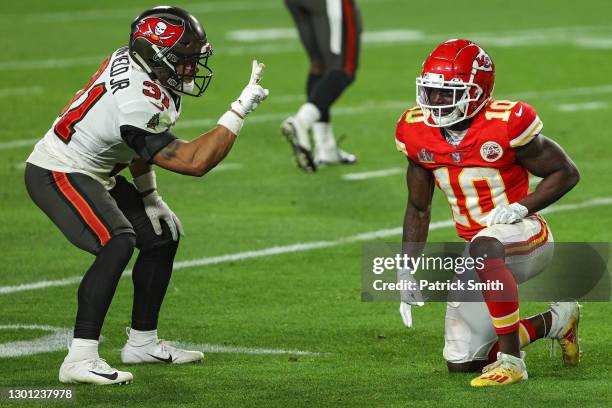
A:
(524, 125)
(143, 127)
(144, 143)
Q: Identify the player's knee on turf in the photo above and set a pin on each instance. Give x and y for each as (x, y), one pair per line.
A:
(467, 367)
(487, 248)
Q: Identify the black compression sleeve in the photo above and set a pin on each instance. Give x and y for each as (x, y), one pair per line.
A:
(144, 143)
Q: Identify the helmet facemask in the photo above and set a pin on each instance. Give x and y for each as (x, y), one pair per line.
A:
(186, 75)
(461, 95)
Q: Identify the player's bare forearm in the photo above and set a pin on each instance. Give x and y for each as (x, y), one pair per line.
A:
(199, 156)
(418, 209)
(416, 228)
(545, 158)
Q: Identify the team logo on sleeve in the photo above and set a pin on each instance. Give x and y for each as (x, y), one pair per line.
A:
(153, 122)
(491, 151)
(159, 32)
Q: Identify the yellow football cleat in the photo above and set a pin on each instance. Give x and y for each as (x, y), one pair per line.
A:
(505, 371)
(569, 315)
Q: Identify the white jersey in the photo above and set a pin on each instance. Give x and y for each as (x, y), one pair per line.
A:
(87, 136)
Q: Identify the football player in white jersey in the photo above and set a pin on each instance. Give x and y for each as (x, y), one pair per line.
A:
(122, 118)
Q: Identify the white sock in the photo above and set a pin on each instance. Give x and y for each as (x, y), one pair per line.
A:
(140, 338)
(325, 142)
(554, 331)
(82, 349)
(307, 115)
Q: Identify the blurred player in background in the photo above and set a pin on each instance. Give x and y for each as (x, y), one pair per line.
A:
(120, 119)
(479, 151)
(330, 32)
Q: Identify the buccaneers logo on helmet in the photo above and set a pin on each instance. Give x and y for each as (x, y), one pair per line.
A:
(159, 32)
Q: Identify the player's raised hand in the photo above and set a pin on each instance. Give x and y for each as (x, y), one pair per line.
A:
(253, 94)
(257, 72)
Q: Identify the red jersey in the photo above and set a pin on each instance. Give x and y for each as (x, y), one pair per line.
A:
(481, 172)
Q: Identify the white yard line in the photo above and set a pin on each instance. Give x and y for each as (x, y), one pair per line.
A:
(227, 166)
(12, 144)
(399, 170)
(533, 180)
(130, 12)
(561, 93)
(582, 37)
(576, 107)
(364, 175)
(294, 248)
(286, 98)
(21, 65)
(59, 338)
(32, 90)
(217, 348)
(220, 167)
(355, 110)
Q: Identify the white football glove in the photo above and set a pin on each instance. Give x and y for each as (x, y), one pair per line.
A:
(406, 312)
(408, 298)
(156, 210)
(253, 94)
(506, 214)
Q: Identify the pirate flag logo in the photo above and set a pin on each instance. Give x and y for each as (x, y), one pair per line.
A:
(159, 32)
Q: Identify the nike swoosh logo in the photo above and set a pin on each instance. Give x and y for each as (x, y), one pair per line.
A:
(161, 108)
(165, 360)
(112, 376)
(520, 112)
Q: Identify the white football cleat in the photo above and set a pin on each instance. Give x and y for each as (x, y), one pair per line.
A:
(337, 156)
(159, 351)
(564, 328)
(93, 371)
(299, 139)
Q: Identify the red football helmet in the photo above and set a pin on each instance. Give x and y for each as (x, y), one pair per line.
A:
(456, 82)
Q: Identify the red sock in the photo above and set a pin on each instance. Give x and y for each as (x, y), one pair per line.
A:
(527, 333)
(502, 304)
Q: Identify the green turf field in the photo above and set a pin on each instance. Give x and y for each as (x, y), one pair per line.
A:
(555, 56)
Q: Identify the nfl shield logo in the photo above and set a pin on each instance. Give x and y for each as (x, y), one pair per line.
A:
(456, 157)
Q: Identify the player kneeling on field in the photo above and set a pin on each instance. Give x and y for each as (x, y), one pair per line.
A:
(122, 118)
(479, 151)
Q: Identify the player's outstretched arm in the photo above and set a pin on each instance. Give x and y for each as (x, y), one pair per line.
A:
(418, 208)
(416, 227)
(199, 156)
(545, 158)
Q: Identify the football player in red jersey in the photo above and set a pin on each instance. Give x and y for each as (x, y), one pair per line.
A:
(479, 151)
